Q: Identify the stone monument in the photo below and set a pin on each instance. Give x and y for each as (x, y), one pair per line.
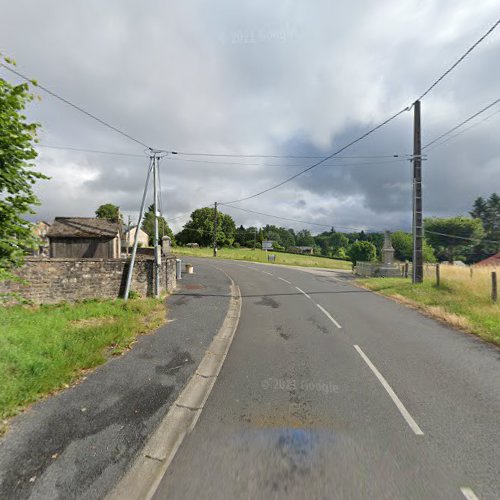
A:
(388, 268)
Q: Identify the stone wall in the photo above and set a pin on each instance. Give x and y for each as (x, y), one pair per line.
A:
(54, 280)
(377, 269)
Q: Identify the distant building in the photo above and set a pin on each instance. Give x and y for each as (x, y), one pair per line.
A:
(303, 250)
(494, 260)
(84, 237)
(40, 229)
(192, 245)
(129, 237)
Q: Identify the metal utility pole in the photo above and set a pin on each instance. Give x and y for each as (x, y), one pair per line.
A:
(418, 260)
(215, 229)
(136, 238)
(157, 250)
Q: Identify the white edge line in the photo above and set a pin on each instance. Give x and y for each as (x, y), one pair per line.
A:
(329, 316)
(400, 406)
(283, 279)
(302, 291)
(468, 493)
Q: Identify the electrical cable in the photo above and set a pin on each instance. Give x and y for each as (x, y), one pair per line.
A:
(459, 60)
(461, 237)
(461, 124)
(78, 108)
(83, 150)
(343, 148)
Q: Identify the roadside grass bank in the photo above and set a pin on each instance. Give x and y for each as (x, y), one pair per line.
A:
(259, 255)
(46, 348)
(462, 301)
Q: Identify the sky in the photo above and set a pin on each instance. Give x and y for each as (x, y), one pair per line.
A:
(259, 78)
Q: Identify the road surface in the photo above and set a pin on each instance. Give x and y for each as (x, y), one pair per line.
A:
(330, 391)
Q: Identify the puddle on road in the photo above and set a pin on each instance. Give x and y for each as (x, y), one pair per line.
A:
(269, 302)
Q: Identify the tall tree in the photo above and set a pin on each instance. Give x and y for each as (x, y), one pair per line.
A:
(17, 177)
(453, 237)
(148, 226)
(108, 211)
(199, 229)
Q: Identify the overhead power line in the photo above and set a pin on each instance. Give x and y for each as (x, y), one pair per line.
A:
(392, 160)
(78, 108)
(83, 150)
(426, 92)
(458, 61)
(299, 157)
(462, 237)
(318, 163)
(461, 124)
(463, 131)
(295, 220)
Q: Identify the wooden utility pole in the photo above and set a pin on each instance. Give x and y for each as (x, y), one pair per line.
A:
(494, 289)
(215, 229)
(418, 260)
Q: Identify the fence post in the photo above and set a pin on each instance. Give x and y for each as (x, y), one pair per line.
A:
(438, 275)
(471, 271)
(406, 269)
(494, 292)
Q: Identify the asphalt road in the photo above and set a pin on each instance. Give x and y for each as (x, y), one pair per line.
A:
(330, 391)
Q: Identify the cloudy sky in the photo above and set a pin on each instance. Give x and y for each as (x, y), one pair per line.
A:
(259, 78)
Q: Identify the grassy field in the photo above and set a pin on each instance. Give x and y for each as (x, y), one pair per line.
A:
(258, 255)
(461, 300)
(46, 348)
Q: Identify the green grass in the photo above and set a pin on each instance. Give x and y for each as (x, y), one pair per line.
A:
(258, 255)
(462, 305)
(46, 348)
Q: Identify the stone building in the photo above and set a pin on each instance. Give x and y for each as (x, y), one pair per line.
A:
(84, 237)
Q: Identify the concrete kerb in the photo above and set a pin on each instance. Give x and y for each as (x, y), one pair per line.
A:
(142, 480)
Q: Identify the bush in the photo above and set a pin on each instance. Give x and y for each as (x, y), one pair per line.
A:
(363, 251)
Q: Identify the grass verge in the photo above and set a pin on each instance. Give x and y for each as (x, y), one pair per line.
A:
(258, 255)
(453, 303)
(46, 348)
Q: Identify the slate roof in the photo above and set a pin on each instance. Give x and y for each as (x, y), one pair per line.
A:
(83, 227)
(494, 260)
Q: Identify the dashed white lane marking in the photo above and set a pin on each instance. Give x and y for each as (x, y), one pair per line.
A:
(302, 291)
(329, 316)
(400, 406)
(265, 272)
(468, 493)
(286, 281)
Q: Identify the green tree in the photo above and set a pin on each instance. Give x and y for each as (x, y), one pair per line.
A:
(453, 237)
(489, 213)
(304, 238)
(17, 177)
(148, 226)
(200, 228)
(403, 247)
(362, 251)
(108, 211)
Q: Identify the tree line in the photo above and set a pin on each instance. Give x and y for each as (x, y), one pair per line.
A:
(466, 238)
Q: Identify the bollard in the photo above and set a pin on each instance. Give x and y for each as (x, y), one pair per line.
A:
(494, 291)
(178, 269)
(438, 275)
